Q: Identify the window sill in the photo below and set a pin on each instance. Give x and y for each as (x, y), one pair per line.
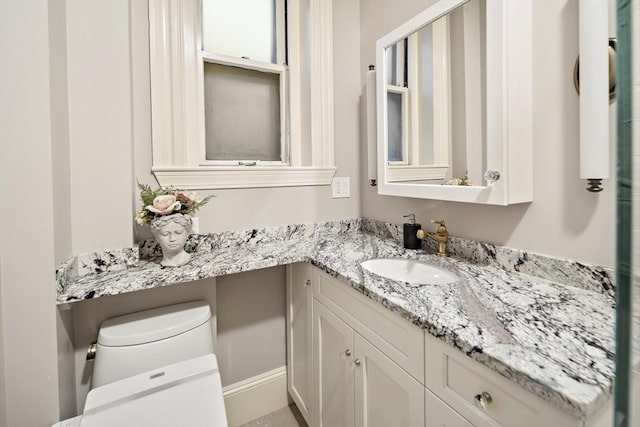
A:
(221, 177)
(416, 172)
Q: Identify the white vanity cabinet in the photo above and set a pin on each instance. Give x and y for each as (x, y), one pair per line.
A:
(333, 370)
(356, 383)
(439, 414)
(354, 363)
(386, 395)
(485, 398)
(299, 343)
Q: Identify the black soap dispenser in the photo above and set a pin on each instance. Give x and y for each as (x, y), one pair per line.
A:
(409, 230)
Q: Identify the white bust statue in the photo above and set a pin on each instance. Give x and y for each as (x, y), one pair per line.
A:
(171, 232)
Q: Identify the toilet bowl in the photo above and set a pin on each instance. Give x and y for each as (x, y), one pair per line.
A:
(155, 368)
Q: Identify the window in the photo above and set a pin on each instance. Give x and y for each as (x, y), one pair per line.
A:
(231, 104)
(245, 86)
(417, 107)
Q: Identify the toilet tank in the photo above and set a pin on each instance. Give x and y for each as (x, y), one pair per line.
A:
(147, 340)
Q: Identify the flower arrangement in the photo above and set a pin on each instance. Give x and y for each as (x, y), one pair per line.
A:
(167, 201)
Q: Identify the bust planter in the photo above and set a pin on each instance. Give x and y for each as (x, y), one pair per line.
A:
(166, 211)
(171, 232)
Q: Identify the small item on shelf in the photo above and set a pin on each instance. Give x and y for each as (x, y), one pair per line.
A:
(167, 211)
(463, 180)
(409, 231)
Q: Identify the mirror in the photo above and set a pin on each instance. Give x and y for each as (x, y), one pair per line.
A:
(432, 75)
(454, 101)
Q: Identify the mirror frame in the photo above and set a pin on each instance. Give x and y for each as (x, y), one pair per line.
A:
(509, 106)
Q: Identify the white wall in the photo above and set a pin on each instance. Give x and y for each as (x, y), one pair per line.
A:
(27, 305)
(61, 161)
(100, 124)
(61, 166)
(564, 220)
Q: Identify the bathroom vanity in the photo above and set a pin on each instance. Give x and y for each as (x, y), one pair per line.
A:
(371, 367)
(497, 348)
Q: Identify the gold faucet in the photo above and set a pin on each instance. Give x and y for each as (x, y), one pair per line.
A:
(441, 236)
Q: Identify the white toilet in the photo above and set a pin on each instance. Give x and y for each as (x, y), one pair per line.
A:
(155, 368)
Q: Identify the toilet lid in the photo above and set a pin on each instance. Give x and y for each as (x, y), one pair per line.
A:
(183, 394)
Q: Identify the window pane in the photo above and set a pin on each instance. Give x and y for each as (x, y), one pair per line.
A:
(242, 114)
(240, 28)
(395, 57)
(395, 131)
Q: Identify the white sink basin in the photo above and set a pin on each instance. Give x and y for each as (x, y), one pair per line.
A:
(409, 270)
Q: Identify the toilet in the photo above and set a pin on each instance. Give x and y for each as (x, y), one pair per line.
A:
(155, 368)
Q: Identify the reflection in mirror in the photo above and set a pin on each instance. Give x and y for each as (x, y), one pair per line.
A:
(436, 101)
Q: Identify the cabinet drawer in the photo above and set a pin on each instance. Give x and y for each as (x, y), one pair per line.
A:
(439, 414)
(482, 396)
(394, 336)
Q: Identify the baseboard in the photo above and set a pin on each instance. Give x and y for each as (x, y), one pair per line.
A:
(257, 396)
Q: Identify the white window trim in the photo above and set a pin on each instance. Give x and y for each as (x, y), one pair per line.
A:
(413, 167)
(177, 104)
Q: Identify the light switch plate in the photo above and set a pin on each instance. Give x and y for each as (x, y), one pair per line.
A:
(341, 187)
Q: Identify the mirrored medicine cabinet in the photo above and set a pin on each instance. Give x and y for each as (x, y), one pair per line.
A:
(454, 103)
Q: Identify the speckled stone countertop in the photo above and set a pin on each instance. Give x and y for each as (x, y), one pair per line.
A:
(552, 333)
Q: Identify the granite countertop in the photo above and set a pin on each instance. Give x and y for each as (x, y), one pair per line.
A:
(552, 339)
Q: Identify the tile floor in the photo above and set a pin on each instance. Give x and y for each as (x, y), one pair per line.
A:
(285, 417)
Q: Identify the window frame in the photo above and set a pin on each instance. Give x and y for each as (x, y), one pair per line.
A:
(177, 102)
(248, 64)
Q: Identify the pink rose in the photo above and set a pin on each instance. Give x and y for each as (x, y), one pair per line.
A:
(187, 197)
(164, 205)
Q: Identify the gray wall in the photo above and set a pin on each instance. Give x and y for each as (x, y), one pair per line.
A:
(29, 382)
(251, 324)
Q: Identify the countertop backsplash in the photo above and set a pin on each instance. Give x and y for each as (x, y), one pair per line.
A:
(573, 273)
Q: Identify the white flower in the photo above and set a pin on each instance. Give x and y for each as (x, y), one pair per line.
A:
(164, 205)
(141, 218)
(453, 181)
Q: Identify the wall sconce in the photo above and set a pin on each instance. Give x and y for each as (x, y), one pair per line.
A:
(594, 84)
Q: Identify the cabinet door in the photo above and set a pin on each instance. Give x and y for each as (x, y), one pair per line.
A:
(299, 337)
(333, 369)
(441, 415)
(386, 395)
